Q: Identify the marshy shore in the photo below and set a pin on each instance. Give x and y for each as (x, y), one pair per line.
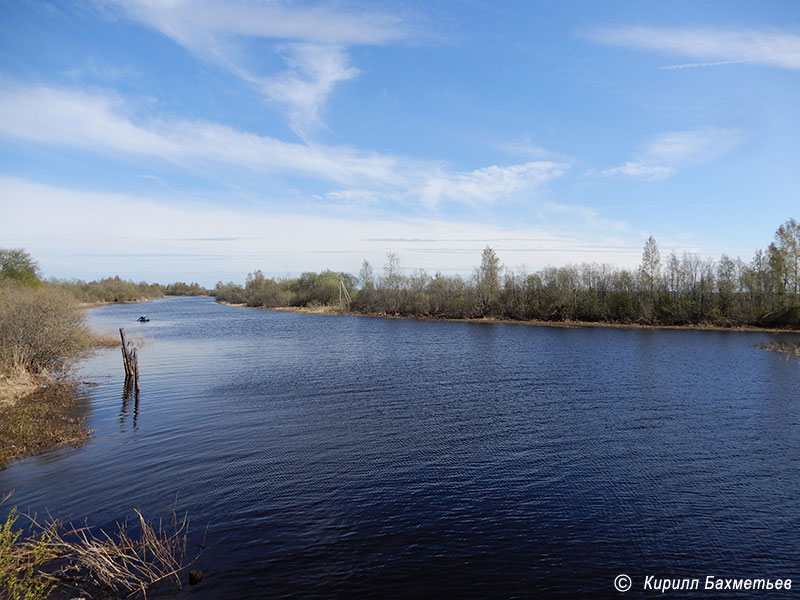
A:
(37, 414)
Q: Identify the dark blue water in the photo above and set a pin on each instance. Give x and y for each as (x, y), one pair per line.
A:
(370, 458)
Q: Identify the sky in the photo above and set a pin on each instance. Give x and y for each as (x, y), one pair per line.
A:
(199, 140)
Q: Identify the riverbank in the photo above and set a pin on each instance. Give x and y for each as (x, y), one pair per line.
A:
(97, 303)
(36, 414)
(336, 311)
(36, 410)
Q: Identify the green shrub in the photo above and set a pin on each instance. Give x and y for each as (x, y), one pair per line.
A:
(16, 264)
(20, 560)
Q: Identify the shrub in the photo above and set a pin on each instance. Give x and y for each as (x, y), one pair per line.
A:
(41, 329)
(16, 264)
(20, 560)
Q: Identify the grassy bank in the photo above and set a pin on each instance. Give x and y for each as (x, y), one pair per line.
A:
(36, 414)
(36, 409)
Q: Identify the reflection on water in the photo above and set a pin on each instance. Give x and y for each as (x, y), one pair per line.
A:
(129, 391)
(361, 457)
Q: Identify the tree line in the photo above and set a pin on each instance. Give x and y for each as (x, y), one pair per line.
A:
(677, 289)
(17, 266)
(114, 289)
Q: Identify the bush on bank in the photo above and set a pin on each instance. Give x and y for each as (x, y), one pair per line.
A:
(42, 329)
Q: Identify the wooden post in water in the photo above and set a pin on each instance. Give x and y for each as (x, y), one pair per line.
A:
(130, 361)
(126, 357)
(135, 360)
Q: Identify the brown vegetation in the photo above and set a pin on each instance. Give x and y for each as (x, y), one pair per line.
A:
(42, 329)
(55, 556)
(124, 562)
(784, 347)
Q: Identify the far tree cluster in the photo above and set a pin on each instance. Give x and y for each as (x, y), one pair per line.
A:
(677, 289)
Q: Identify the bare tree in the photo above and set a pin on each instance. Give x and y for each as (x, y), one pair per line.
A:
(487, 281)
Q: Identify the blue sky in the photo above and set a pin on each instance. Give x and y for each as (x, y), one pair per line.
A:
(200, 140)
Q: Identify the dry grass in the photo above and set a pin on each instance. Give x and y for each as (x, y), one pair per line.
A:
(784, 347)
(105, 340)
(320, 309)
(122, 562)
(55, 556)
(15, 385)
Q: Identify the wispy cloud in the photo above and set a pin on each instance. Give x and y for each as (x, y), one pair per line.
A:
(667, 153)
(638, 170)
(702, 64)
(709, 46)
(100, 121)
(489, 184)
(94, 69)
(687, 148)
(191, 21)
(311, 39)
(233, 242)
(302, 91)
(104, 122)
(526, 148)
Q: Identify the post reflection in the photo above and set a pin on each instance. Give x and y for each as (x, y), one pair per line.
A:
(129, 392)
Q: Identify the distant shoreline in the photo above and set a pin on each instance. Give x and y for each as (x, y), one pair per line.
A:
(97, 303)
(139, 301)
(334, 311)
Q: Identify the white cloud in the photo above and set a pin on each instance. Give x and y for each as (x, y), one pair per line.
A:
(102, 122)
(312, 40)
(702, 64)
(637, 170)
(712, 46)
(303, 90)
(691, 147)
(525, 147)
(105, 123)
(669, 152)
(580, 218)
(489, 184)
(84, 236)
(192, 21)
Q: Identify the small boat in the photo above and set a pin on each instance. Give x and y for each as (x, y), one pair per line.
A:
(143, 319)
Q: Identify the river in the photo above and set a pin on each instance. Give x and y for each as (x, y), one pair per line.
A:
(323, 456)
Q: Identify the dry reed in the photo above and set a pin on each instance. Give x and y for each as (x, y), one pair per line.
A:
(784, 347)
(123, 562)
(120, 564)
